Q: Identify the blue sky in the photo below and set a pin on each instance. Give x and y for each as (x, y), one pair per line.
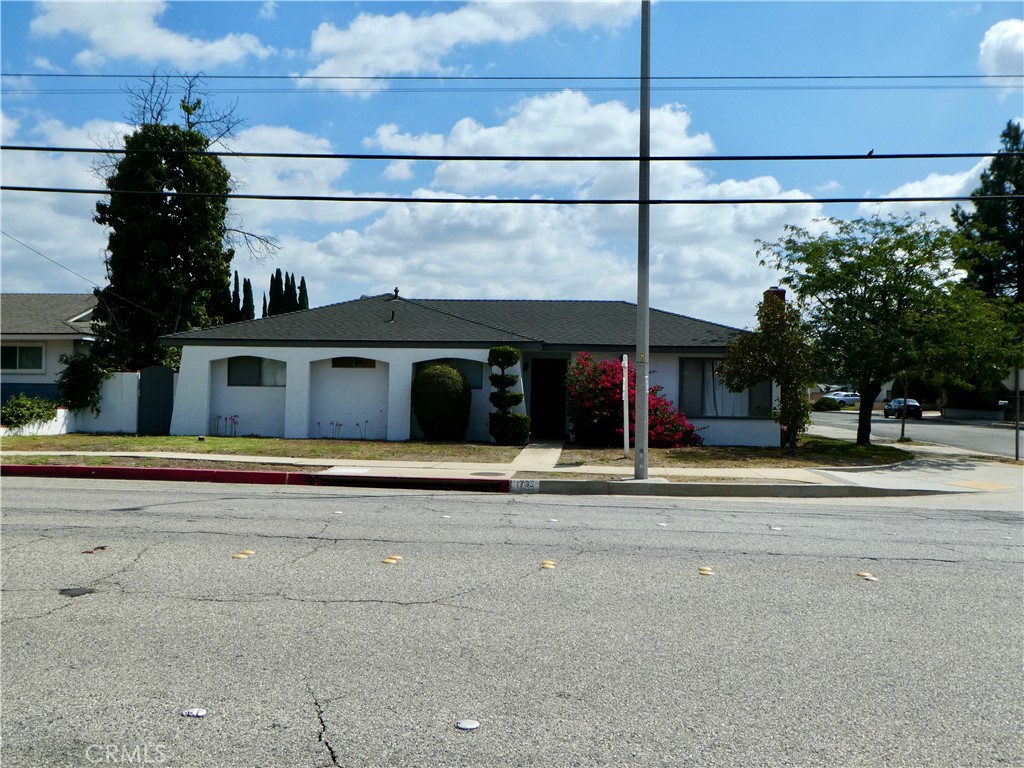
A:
(703, 259)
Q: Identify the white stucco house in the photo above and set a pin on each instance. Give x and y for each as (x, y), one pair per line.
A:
(346, 370)
(35, 330)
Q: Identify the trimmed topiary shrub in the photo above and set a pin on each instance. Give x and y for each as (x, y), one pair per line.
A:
(441, 399)
(826, 404)
(506, 428)
(22, 411)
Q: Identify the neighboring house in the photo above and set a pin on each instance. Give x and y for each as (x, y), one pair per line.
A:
(35, 330)
(346, 370)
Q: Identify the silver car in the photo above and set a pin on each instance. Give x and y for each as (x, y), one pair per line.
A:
(844, 398)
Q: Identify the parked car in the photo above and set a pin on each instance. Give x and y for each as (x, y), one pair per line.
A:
(844, 398)
(894, 408)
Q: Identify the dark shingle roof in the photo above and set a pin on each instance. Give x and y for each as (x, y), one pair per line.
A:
(45, 313)
(386, 321)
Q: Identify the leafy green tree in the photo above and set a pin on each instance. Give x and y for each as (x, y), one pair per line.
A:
(863, 285)
(963, 345)
(993, 233)
(167, 258)
(777, 350)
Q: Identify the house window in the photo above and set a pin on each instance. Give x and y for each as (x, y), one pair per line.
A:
(471, 369)
(353, 362)
(27, 359)
(702, 393)
(246, 371)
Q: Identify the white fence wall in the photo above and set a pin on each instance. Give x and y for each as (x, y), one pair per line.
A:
(119, 412)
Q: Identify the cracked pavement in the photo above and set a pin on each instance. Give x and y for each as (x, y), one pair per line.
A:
(312, 652)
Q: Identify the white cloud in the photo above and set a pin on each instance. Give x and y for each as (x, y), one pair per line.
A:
(44, 64)
(129, 31)
(451, 250)
(933, 185)
(376, 45)
(268, 10)
(58, 225)
(1002, 49)
(566, 124)
(289, 176)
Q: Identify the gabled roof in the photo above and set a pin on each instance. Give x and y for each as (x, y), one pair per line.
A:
(46, 314)
(529, 324)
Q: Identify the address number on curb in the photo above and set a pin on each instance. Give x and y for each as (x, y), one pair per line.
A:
(525, 486)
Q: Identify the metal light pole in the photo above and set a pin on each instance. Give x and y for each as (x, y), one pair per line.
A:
(643, 308)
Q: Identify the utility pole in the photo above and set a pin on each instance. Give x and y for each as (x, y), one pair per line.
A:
(643, 303)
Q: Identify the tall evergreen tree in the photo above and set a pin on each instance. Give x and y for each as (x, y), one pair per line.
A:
(248, 306)
(236, 302)
(265, 312)
(167, 261)
(274, 306)
(994, 230)
(290, 299)
(303, 295)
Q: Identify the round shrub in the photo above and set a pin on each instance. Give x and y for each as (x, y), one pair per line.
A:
(441, 399)
(827, 404)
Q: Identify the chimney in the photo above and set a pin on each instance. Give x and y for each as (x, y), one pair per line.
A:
(776, 292)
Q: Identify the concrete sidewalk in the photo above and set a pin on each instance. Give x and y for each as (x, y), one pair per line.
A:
(943, 471)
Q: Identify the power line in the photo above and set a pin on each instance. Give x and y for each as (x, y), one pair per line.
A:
(54, 261)
(491, 83)
(76, 274)
(501, 78)
(516, 158)
(519, 201)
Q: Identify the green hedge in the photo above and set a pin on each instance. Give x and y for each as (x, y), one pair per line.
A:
(22, 410)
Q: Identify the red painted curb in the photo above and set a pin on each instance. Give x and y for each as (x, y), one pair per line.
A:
(251, 477)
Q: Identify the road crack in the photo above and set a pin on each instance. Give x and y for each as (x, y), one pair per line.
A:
(322, 735)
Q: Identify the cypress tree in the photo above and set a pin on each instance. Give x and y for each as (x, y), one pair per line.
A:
(248, 307)
(236, 302)
(276, 294)
(264, 305)
(303, 295)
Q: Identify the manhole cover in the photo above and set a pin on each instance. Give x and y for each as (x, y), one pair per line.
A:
(76, 591)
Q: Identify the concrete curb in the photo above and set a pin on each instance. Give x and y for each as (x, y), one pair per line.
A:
(476, 485)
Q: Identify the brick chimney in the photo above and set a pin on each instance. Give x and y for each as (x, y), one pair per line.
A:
(775, 291)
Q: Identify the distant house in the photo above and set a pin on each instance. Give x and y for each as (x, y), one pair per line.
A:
(346, 370)
(35, 330)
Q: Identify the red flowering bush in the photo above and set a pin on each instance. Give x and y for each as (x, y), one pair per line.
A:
(594, 390)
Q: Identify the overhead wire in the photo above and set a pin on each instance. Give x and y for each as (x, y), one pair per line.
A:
(509, 158)
(513, 200)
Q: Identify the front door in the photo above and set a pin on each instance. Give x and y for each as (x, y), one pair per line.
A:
(547, 399)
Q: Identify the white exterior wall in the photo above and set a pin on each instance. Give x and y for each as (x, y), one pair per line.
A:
(378, 399)
(664, 372)
(58, 425)
(52, 350)
(354, 397)
(199, 394)
(260, 410)
(119, 407)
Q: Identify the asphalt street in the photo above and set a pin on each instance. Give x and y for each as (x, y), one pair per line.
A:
(314, 652)
(983, 437)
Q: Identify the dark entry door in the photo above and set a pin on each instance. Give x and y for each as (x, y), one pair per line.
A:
(547, 399)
